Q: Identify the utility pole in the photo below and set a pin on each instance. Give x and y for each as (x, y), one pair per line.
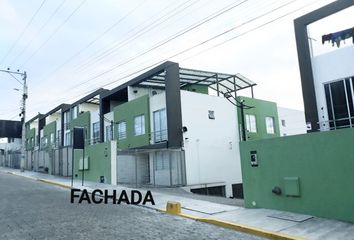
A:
(23, 111)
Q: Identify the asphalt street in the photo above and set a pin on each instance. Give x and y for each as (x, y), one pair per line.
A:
(34, 210)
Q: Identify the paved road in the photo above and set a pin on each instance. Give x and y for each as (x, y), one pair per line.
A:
(36, 210)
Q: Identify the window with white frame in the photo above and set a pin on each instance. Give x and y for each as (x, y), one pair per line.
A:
(52, 138)
(68, 139)
(139, 125)
(160, 125)
(251, 125)
(109, 133)
(95, 132)
(122, 130)
(74, 110)
(270, 125)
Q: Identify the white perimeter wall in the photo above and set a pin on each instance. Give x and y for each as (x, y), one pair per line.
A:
(328, 67)
(295, 122)
(211, 146)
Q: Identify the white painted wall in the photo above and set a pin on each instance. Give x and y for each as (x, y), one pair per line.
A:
(11, 146)
(212, 152)
(53, 117)
(329, 67)
(295, 122)
(141, 92)
(84, 107)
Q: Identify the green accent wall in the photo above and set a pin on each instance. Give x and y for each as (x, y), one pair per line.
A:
(322, 162)
(99, 163)
(82, 120)
(30, 134)
(127, 112)
(47, 131)
(197, 88)
(261, 110)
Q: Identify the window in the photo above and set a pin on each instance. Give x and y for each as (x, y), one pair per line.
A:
(68, 139)
(340, 100)
(58, 137)
(109, 130)
(96, 132)
(44, 142)
(160, 126)
(270, 125)
(122, 130)
(283, 123)
(251, 123)
(67, 120)
(139, 125)
(75, 110)
(211, 114)
(52, 138)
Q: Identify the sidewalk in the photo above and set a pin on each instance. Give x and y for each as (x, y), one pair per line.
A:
(297, 225)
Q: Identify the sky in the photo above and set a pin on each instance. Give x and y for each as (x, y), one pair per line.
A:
(69, 48)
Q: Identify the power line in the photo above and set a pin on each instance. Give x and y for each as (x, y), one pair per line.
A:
(253, 29)
(152, 65)
(148, 27)
(188, 49)
(99, 37)
(23, 31)
(203, 42)
(180, 33)
(53, 33)
(185, 30)
(39, 31)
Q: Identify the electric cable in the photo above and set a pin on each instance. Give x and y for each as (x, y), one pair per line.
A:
(23, 31)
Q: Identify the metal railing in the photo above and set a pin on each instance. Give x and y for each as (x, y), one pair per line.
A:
(335, 123)
(159, 136)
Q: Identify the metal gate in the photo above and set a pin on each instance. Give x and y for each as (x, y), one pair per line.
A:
(157, 167)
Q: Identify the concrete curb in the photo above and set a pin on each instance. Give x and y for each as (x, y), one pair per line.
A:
(54, 183)
(239, 227)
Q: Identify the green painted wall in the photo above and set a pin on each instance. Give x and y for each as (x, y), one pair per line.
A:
(127, 112)
(197, 88)
(47, 130)
(30, 134)
(261, 110)
(324, 163)
(99, 163)
(82, 120)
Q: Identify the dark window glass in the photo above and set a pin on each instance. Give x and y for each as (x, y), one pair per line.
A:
(339, 104)
(329, 106)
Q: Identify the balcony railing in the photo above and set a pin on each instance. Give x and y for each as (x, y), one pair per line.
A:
(159, 136)
(339, 123)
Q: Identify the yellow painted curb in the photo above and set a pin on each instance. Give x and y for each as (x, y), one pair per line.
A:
(248, 229)
(239, 227)
(54, 183)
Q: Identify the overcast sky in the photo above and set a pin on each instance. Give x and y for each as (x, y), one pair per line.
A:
(69, 48)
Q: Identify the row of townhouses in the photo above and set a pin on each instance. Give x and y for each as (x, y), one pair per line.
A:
(170, 126)
(173, 126)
